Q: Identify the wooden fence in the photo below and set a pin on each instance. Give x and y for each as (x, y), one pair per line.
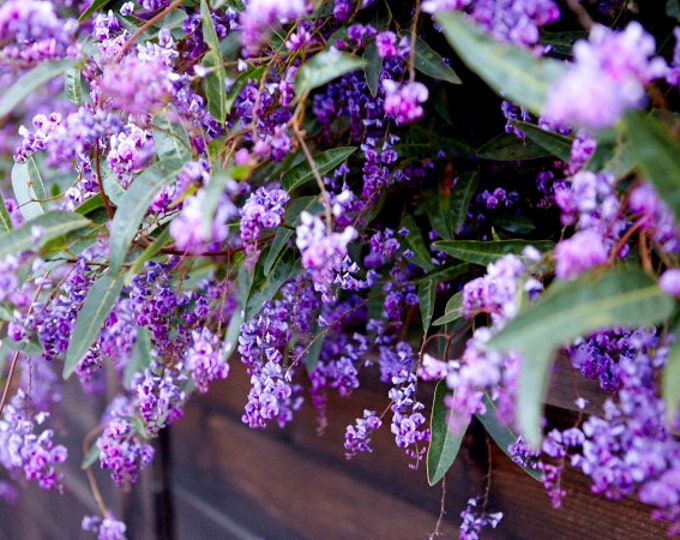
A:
(215, 478)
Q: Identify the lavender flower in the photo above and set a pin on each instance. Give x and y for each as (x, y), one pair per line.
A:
(402, 102)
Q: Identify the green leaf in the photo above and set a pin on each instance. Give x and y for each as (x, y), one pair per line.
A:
(374, 64)
(149, 252)
(444, 443)
(426, 298)
(414, 241)
(95, 6)
(485, 252)
(72, 85)
(503, 435)
(322, 68)
(461, 196)
(512, 72)
(509, 147)
(451, 311)
(29, 82)
(91, 457)
(673, 9)
(90, 205)
(620, 297)
(53, 224)
(215, 89)
(313, 352)
(134, 205)
(555, 143)
(99, 300)
(265, 286)
(5, 220)
(29, 190)
(670, 380)
(438, 210)
(325, 162)
(657, 153)
(430, 62)
(516, 224)
(563, 42)
(252, 73)
(171, 139)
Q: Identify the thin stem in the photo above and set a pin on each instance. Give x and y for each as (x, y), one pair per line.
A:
(98, 175)
(412, 51)
(442, 511)
(90, 475)
(8, 382)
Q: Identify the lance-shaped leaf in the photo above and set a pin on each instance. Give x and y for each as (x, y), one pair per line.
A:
(171, 139)
(324, 162)
(484, 253)
(264, 287)
(461, 196)
(426, 299)
(657, 153)
(374, 64)
(444, 441)
(134, 204)
(503, 435)
(95, 6)
(430, 62)
(29, 190)
(72, 85)
(452, 310)
(670, 381)
(555, 143)
(37, 232)
(414, 241)
(5, 220)
(507, 147)
(215, 89)
(29, 82)
(621, 297)
(99, 300)
(513, 73)
(324, 67)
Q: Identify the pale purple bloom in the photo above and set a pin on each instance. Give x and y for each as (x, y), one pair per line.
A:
(402, 102)
(669, 281)
(580, 252)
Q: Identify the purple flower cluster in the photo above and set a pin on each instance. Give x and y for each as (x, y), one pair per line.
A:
(655, 217)
(358, 435)
(24, 448)
(261, 15)
(205, 359)
(108, 528)
(264, 209)
(607, 77)
(402, 101)
(407, 419)
(475, 519)
(160, 396)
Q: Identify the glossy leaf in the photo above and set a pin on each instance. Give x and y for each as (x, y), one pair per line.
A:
(657, 154)
(29, 190)
(451, 311)
(555, 143)
(504, 436)
(624, 296)
(429, 62)
(91, 318)
(414, 241)
(72, 85)
(265, 286)
(444, 443)
(508, 147)
(133, 206)
(512, 72)
(52, 224)
(171, 139)
(461, 196)
(322, 68)
(485, 252)
(5, 220)
(325, 162)
(215, 89)
(670, 380)
(374, 64)
(29, 82)
(426, 298)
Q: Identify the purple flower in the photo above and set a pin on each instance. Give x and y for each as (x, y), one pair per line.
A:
(580, 252)
(402, 102)
(669, 281)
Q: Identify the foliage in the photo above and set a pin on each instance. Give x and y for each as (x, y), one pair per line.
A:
(456, 193)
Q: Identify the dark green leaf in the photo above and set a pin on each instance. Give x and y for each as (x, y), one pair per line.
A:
(5, 220)
(673, 9)
(325, 162)
(516, 224)
(503, 435)
(29, 82)
(485, 252)
(461, 195)
(430, 62)
(426, 298)
(555, 143)
(451, 311)
(215, 89)
(563, 42)
(621, 297)
(444, 442)
(52, 224)
(374, 63)
(29, 190)
(91, 318)
(134, 205)
(95, 6)
(414, 241)
(90, 205)
(438, 210)
(509, 147)
(657, 153)
(171, 139)
(266, 286)
(323, 67)
(670, 381)
(72, 85)
(512, 72)
(149, 252)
